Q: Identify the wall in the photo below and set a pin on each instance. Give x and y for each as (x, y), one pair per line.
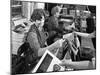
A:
(28, 8)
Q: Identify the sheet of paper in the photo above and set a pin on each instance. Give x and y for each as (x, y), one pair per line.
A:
(69, 36)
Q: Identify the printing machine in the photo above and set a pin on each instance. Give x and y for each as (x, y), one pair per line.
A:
(49, 61)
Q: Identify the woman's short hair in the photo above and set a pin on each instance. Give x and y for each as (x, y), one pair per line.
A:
(37, 14)
(55, 10)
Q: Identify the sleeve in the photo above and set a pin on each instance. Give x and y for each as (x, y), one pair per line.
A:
(33, 41)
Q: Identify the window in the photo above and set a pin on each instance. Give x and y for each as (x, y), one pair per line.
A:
(16, 9)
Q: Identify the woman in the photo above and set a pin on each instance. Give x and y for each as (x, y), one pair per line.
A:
(34, 46)
(53, 25)
(36, 37)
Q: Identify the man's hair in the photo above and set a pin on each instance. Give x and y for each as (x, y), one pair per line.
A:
(55, 10)
(37, 14)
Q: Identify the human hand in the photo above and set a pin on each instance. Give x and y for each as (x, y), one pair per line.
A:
(65, 62)
(93, 34)
(56, 68)
(60, 42)
(74, 33)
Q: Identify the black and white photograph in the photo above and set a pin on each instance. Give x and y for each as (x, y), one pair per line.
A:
(49, 37)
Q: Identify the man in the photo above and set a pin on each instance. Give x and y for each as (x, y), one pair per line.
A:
(91, 27)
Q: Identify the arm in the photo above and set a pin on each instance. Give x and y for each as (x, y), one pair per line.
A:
(33, 41)
(77, 64)
(50, 48)
(92, 35)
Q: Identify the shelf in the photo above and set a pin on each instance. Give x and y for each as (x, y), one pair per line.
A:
(16, 5)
